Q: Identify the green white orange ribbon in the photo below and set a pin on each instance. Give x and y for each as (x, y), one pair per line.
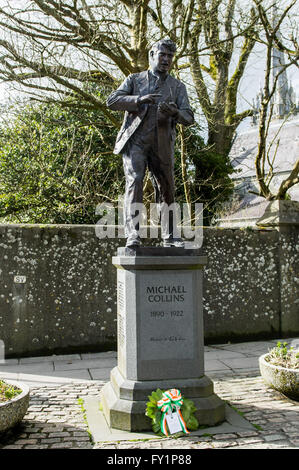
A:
(172, 400)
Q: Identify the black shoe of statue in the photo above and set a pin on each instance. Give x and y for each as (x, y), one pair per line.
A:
(177, 242)
(133, 241)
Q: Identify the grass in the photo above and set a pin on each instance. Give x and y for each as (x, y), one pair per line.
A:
(81, 403)
(7, 391)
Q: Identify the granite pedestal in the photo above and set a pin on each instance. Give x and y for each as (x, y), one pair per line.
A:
(160, 336)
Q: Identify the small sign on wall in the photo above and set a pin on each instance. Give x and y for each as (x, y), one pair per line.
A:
(19, 279)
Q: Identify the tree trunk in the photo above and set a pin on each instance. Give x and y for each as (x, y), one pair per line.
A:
(139, 42)
(220, 138)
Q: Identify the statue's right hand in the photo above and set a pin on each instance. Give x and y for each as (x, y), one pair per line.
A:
(148, 99)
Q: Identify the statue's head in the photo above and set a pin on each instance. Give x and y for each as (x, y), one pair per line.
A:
(161, 55)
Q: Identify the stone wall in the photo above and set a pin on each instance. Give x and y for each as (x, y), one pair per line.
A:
(58, 287)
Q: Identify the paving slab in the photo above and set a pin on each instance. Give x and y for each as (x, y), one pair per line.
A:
(240, 363)
(103, 374)
(71, 374)
(215, 364)
(96, 363)
(251, 346)
(56, 377)
(222, 353)
(9, 375)
(209, 348)
(214, 374)
(52, 358)
(8, 362)
(99, 355)
(37, 368)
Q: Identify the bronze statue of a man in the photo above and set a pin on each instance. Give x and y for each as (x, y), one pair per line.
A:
(153, 102)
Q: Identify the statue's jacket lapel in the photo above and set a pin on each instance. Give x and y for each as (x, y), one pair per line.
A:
(138, 85)
(132, 119)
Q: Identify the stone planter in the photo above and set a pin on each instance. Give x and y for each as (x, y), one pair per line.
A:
(282, 379)
(13, 411)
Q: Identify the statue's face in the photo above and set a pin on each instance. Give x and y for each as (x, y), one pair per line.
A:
(161, 59)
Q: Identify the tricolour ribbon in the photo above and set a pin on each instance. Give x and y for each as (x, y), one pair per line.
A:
(171, 400)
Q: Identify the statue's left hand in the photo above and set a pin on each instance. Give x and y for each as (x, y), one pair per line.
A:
(170, 109)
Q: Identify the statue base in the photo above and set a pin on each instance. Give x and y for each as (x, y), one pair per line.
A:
(160, 336)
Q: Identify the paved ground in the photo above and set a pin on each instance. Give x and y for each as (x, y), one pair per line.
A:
(59, 385)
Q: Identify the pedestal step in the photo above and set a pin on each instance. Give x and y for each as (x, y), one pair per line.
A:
(124, 401)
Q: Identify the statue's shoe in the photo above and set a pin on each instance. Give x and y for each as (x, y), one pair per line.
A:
(133, 241)
(177, 242)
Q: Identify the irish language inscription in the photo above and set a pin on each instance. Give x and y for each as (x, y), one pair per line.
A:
(121, 330)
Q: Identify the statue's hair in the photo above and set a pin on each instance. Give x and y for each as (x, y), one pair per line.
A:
(167, 43)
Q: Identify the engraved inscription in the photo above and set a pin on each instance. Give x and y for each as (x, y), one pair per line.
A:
(167, 322)
(121, 332)
(166, 293)
(120, 297)
(168, 338)
(171, 314)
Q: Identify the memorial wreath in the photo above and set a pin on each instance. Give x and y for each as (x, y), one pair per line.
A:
(171, 413)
